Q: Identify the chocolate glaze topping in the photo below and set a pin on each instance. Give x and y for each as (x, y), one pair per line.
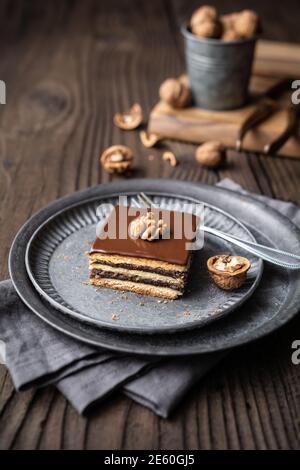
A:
(171, 250)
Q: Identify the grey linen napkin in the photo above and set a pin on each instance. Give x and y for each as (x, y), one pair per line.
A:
(37, 355)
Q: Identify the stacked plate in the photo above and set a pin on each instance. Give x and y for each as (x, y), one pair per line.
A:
(49, 268)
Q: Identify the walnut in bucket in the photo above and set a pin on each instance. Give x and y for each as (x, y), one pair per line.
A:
(205, 22)
(148, 227)
(228, 272)
(117, 159)
(246, 23)
(243, 24)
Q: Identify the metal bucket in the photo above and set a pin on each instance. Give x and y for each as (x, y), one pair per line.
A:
(219, 71)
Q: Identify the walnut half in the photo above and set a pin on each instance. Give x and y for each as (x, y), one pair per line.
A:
(228, 272)
(117, 159)
(147, 227)
(129, 119)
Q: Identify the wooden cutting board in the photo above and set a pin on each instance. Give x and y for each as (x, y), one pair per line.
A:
(273, 62)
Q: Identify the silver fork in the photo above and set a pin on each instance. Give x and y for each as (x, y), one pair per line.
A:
(272, 255)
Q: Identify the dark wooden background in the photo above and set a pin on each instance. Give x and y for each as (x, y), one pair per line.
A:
(69, 66)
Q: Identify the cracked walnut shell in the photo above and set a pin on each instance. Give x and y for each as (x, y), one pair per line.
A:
(117, 159)
(210, 154)
(129, 119)
(149, 139)
(170, 157)
(228, 272)
(175, 92)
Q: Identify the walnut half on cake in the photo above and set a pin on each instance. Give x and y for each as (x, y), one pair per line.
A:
(145, 254)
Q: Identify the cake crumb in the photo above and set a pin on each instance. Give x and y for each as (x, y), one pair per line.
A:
(215, 311)
(114, 316)
(142, 304)
(150, 157)
(186, 313)
(66, 258)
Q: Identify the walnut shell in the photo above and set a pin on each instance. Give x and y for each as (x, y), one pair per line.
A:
(148, 139)
(210, 154)
(170, 157)
(202, 14)
(246, 23)
(175, 92)
(129, 119)
(228, 280)
(208, 29)
(117, 159)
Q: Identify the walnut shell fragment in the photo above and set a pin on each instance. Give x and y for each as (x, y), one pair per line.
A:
(117, 159)
(210, 154)
(149, 139)
(170, 157)
(129, 119)
(228, 272)
(175, 92)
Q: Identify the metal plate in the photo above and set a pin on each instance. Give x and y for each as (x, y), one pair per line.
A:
(58, 267)
(275, 302)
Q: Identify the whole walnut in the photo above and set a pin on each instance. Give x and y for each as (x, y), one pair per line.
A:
(229, 33)
(246, 23)
(202, 14)
(205, 22)
(210, 154)
(175, 92)
(208, 29)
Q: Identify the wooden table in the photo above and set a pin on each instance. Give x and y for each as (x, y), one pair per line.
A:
(69, 66)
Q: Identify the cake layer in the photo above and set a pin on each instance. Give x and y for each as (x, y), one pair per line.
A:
(132, 262)
(138, 288)
(101, 271)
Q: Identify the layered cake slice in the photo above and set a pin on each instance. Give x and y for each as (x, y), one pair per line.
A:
(143, 251)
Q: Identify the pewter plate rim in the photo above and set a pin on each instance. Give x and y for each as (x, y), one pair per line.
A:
(66, 308)
(197, 341)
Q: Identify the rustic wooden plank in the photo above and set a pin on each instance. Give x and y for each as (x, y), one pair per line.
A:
(107, 424)
(74, 431)
(53, 431)
(197, 125)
